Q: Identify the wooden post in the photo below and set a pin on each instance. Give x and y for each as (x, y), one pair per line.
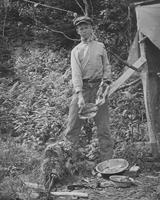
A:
(121, 80)
(149, 95)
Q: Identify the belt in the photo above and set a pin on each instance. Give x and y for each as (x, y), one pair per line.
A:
(92, 80)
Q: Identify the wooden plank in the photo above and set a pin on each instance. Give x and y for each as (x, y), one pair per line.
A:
(150, 90)
(150, 93)
(126, 75)
(39, 188)
(74, 194)
(34, 186)
(142, 3)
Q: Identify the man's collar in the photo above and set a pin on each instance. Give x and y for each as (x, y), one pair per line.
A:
(90, 39)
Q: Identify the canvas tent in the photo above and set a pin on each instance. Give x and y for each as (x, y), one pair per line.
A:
(145, 55)
(148, 22)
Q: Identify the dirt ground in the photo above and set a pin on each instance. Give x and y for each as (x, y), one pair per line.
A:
(148, 190)
(146, 187)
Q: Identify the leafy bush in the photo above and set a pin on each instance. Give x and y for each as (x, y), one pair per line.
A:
(128, 113)
(16, 163)
(42, 96)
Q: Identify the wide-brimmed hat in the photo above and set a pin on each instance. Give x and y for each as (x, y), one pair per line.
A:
(83, 19)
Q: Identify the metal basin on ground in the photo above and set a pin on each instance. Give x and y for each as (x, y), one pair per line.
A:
(112, 166)
(121, 181)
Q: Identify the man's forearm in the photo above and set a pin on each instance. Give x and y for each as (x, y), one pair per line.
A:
(107, 73)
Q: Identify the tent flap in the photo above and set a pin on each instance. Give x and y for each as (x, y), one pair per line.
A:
(148, 22)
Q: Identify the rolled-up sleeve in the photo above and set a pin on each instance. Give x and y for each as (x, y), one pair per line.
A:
(107, 74)
(76, 73)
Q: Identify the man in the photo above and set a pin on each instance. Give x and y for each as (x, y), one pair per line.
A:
(90, 65)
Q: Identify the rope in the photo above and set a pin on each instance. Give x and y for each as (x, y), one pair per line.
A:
(47, 6)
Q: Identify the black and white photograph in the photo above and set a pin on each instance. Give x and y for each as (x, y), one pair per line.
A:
(80, 99)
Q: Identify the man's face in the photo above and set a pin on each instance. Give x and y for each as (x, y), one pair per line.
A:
(84, 30)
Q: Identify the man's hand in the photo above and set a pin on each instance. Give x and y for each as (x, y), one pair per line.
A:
(81, 102)
(102, 97)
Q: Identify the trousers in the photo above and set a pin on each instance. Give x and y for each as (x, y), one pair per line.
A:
(74, 123)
